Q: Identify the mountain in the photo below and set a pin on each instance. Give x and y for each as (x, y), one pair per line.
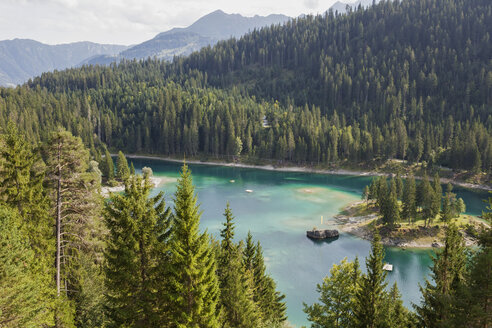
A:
(22, 59)
(341, 7)
(207, 30)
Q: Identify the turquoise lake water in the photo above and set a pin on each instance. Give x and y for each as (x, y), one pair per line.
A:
(282, 206)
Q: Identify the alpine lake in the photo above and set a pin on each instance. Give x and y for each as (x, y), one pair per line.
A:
(279, 208)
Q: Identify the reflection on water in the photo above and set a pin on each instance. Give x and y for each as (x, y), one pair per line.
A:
(282, 206)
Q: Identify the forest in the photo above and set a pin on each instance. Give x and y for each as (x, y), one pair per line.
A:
(409, 80)
(71, 259)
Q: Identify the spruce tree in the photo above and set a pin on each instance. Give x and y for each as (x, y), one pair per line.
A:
(391, 212)
(136, 257)
(409, 211)
(396, 315)
(76, 206)
(236, 294)
(23, 301)
(448, 272)
(122, 169)
(337, 297)
(437, 196)
(194, 293)
(268, 300)
(369, 299)
(21, 178)
(108, 167)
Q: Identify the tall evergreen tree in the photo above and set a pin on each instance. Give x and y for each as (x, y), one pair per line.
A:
(194, 285)
(337, 297)
(122, 169)
(409, 211)
(108, 166)
(76, 204)
(23, 301)
(448, 271)
(136, 257)
(369, 299)
(437, 196)
(21, 178)
(236, 294)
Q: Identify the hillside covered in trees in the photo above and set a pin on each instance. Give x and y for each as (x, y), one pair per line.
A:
(410, 80)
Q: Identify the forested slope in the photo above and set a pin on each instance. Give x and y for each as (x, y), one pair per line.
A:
(409, 80)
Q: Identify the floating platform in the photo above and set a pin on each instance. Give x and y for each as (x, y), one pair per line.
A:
(388, 267)
(322, 234)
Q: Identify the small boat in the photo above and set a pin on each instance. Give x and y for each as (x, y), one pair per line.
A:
(388, 267)
(232, 181)
(249, 190)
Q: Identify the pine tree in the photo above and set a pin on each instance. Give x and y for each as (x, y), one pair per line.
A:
(21, 178)
(437, 196)
(426, 198)
(396, 315)
(194, 286)
(122, 169)
(236, 294)
(399, 186)
(408, 200)
(448, 271)
(391, 212)
(337, 296)
(132, 169)
(76, 204)
(369, 299)
(136, 257)
(22, 288)
(108, 167)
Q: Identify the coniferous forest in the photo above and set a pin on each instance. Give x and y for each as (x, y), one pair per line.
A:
(408, 80)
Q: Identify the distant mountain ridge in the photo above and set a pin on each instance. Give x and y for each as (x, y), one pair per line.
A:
(22, 59)
(207, 30)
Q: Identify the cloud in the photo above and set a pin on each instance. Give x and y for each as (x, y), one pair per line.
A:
(123, 21)
(311, 4)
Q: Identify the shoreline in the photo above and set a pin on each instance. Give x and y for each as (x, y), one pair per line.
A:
(300, 169)
(106, 191)
(359, 226)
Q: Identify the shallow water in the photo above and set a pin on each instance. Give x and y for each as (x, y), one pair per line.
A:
(282, 206)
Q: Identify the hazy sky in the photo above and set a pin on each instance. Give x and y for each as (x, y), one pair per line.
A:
(126, 21)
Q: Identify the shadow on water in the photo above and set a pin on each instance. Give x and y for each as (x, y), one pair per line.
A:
(322, 242)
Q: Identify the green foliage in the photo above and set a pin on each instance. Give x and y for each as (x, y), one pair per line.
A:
(194, 293)
(337, 297)
(136, 257)
(22, 175)
(107, 166)
(122, 169)
(448, 272)
(236, 288)
(23, 301)
(409, 211)
(370, 297)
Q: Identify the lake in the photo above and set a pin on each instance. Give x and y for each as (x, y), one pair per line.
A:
(282, 206)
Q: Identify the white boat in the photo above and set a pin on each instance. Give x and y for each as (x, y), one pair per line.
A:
(232, 181)
(249, 190)
(388, 267)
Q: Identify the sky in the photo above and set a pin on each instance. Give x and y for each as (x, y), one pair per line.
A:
(126, 21)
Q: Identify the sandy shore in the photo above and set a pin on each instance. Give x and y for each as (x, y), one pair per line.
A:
(156, 181)
(306, 170)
